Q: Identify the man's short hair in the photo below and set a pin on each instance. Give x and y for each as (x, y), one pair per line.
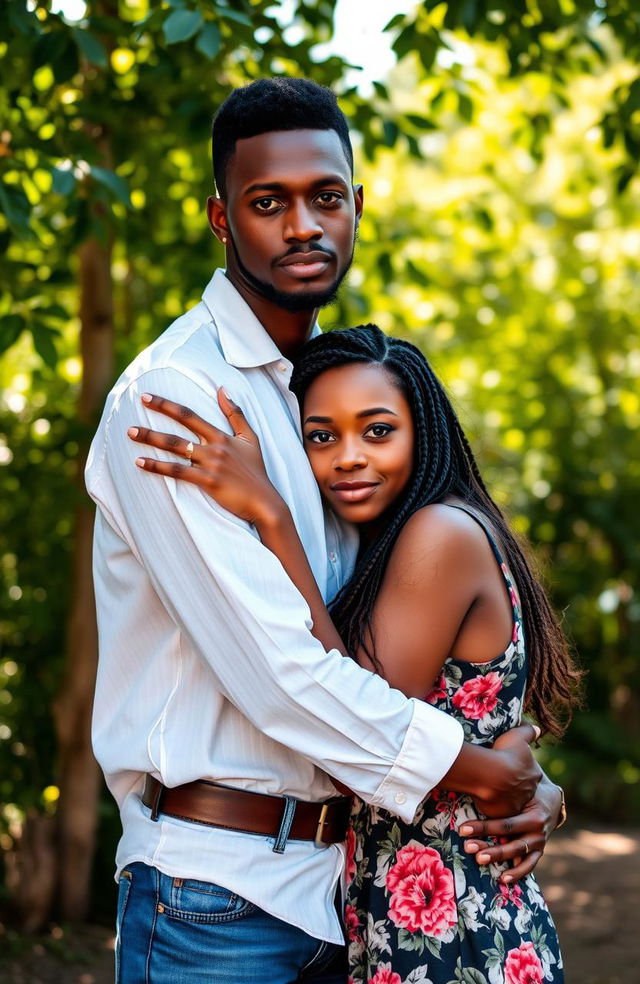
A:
(273, 104)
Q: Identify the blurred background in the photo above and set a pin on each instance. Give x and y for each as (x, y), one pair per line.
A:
(498, 145)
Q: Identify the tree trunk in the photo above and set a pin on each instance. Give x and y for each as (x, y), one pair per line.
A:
(78, 770)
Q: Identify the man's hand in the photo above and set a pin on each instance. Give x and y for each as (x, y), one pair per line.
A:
(502, 779)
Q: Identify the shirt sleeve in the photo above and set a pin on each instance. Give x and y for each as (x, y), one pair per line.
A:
(231, 597)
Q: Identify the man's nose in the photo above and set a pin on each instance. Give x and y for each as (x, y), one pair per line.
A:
(301, 224)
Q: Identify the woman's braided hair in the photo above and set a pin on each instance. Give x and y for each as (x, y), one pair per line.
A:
(444, 465)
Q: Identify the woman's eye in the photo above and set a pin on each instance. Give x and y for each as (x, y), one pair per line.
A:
(379, 430)
(319, 437)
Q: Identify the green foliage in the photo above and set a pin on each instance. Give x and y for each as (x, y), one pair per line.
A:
(501, 234)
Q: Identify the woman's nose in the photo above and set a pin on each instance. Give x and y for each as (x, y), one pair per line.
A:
(349, 457)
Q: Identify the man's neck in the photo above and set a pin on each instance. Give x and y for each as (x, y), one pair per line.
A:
(288, 329)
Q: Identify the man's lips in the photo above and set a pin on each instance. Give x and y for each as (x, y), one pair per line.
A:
(306, 265)
(354, 491)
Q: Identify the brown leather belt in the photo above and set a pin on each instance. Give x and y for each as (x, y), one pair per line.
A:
(280, 817)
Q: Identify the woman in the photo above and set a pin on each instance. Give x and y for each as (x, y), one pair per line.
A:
(433, 605)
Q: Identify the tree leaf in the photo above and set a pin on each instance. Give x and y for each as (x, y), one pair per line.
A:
(228, 13)
(113, 182)
(15, 205)
(209, 40)
(43, 343)
(64, 180)
(181, 25)
(11, 327)
(92, 49)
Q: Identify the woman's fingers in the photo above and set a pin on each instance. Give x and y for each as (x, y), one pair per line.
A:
(523, 853)
(164, 442)
(183, 415)
(235, 416)
(174, 469)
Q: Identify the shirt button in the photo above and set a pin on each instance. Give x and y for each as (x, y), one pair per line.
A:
(333, 556)
(282, 367)
(400, 798)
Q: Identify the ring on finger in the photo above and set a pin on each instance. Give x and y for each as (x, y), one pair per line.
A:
(525, 846)
(189, 450)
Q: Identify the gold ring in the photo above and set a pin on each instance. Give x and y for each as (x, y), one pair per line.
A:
(526, 847)
(189, 451)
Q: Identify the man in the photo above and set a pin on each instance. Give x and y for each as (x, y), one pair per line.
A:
(218, 716)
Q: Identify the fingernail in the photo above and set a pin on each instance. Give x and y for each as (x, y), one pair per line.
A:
(146, 398)
(224, 391)
(465, 830)
(132, 432)
(140, 462)
(471, 847)
(506, 879)
(483, 858)
(537, 731)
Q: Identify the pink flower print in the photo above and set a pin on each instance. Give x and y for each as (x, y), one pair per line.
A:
(422, 890)
(479, 696)
(438, 691)
(516, 632)
(523, 966)
(352, 923)
(510, 893)
(446, 804)
(384, 975)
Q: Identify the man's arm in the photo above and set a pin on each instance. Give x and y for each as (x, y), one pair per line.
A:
(232, 599)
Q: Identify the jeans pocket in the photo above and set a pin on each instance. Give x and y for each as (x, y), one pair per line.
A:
(204, 902)
(124, 887)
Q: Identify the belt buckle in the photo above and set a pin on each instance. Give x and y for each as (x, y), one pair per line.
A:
(322, 822)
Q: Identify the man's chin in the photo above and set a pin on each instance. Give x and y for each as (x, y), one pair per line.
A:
(307, 300)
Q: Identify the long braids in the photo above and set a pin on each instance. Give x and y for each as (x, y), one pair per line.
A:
(444, 464)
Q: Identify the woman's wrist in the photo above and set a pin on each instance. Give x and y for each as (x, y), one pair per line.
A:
(272, 512)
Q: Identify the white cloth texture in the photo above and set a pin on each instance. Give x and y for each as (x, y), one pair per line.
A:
(207, 666)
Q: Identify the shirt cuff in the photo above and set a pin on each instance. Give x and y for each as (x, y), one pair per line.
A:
(430, 747)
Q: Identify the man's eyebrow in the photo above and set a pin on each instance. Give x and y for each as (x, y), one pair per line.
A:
(373, 412)
(327, 179)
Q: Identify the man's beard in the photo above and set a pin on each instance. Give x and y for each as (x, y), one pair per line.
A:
(294, 303)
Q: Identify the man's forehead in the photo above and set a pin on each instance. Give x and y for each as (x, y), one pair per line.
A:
(288, 156)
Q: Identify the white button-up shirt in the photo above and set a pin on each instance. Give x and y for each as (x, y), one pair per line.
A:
(207, 666)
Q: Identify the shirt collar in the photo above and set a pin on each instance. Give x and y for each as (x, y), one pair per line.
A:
(244, 341)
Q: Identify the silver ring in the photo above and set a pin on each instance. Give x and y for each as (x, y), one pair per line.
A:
(189, 451)
(526, 847)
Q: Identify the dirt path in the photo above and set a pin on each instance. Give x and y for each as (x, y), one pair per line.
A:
(591, 879)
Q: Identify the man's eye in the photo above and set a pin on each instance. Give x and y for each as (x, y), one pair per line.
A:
(329, 198)
(266, 204)
(379, 430)
(319, 437)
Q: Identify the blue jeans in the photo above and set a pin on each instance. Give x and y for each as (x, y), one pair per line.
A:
(181, 931)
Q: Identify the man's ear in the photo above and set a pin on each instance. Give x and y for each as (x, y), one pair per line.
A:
(217, 215)
(358, 195)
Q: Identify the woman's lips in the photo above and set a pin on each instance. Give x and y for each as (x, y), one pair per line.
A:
(354, 491)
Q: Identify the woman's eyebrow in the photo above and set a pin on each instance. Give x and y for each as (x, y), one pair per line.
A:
(376, 410)
(373, 412)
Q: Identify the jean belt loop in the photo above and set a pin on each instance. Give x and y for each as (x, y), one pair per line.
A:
(289, 812)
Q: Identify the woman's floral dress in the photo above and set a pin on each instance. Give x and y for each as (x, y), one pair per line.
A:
(420, 910)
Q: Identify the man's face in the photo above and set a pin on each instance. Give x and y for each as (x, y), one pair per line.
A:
(291, 214)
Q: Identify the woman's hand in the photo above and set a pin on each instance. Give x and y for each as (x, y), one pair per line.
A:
(228, 468)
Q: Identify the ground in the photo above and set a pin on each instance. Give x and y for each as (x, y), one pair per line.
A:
(590, 876)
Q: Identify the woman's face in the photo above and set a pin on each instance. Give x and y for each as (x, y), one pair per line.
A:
(359, 438)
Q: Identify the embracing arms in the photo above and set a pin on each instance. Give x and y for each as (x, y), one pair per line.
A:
(226, 467)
